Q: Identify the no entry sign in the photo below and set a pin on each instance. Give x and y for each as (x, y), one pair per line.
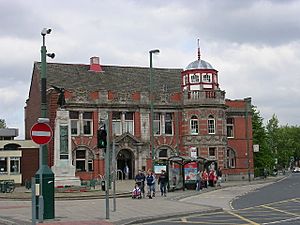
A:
(41, 133)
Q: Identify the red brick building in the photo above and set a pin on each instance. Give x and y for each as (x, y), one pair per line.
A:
(191, 115)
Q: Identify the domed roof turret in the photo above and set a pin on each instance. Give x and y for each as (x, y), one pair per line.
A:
(199, 64)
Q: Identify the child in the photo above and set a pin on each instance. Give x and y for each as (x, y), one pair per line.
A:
(136, 192)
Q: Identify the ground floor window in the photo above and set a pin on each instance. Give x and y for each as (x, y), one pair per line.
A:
(83, 160)
(9, 165)
(230, 158)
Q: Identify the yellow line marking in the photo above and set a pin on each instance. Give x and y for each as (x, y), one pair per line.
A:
(183, 219)
(278, 210)
(271, 203)
(242, 218)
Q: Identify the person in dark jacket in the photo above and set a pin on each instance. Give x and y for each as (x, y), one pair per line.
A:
(140, 181)
(163, 181)
(150, 179)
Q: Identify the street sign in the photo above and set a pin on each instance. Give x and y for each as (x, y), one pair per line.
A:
(41, 133)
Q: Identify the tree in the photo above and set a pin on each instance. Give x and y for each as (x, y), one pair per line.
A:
(264, 158)
(2, 123)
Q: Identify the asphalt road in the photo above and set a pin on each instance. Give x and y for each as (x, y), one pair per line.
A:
(277, 203)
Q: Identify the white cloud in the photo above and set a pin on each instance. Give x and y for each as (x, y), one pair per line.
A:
(253, 44)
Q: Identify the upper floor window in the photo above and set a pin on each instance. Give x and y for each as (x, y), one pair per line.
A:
(229, 125)
(206, 78)
(195, 78)
(81, 123)
(122, 122)
(74, 117)
(163, 123)
(194, 125)
(211, 125)
(87, 123)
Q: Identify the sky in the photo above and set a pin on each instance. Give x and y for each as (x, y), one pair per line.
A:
(254, 44)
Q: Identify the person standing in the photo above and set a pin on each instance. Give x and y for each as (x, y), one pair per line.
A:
(198, 181)
(219, 177)
(205, 178)
(126, 171)
(140, 181)
(150, 179)
(163, 180)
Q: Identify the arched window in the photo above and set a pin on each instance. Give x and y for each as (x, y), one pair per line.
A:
(211, 125)
(194, 125)
(83, 160)
(230, 158)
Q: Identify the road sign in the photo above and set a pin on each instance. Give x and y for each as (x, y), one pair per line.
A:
(41, 133)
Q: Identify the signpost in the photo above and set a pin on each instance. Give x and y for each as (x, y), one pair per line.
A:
(41, 133)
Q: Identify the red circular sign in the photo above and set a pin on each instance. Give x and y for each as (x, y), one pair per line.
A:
(41, 133)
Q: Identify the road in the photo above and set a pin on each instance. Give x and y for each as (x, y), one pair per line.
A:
(277, 203)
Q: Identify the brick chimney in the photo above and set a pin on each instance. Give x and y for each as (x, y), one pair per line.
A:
(95, 64)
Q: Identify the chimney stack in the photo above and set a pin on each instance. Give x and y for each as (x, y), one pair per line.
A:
(95, 64)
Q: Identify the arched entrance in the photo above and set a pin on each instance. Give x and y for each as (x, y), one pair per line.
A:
(125, 158)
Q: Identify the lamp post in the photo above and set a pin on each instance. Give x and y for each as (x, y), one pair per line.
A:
(248, 102)
(151, 52)
(44, 176)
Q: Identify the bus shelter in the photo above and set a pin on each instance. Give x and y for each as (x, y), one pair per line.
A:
(182, 171)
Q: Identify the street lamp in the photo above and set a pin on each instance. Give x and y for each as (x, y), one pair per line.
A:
(248, 102)
(151, 52)
(44, 176)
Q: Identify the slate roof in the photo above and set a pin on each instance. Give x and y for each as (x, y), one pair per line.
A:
(115, 78)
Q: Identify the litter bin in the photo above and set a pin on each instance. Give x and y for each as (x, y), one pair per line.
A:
(103, 185)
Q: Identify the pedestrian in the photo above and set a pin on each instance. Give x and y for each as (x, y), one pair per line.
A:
(163, 180)
(150, 179)
(140, 181)
(205, 178)
(198, 181)
(219, 177)
(211, 178)
(126, 172)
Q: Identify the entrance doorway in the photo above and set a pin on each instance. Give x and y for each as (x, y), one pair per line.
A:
(125, 159)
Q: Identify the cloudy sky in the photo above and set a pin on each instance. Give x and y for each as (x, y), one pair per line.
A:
(255, 45)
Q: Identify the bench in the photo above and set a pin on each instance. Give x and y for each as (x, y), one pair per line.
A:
(7, 186)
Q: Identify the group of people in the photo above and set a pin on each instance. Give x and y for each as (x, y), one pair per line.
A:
(150, 180)
(212, 178)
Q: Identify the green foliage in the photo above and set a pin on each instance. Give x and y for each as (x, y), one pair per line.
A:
(264, 158)
(2, 123)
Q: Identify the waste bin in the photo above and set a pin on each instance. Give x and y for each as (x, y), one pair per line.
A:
(103, 185)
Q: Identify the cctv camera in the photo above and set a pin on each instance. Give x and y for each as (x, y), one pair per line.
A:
(45, 31)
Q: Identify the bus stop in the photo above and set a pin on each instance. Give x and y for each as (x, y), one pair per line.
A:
(182, 171)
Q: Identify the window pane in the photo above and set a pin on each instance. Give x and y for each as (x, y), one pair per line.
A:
(116, 115)
(163, 153)
(116, 127)
(129, 126)
(14, 165)
(90, 164)
(80, 154)
(3, 165)
(156, 127)
(80, 165)
(87, 127)
(74, 127)
(88, 115)
(211, 125)
(168, 123)
(129, 116)
(212, 152)
(74, 115)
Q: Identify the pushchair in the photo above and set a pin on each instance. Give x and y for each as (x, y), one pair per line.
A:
(141, 185)
(136, 192)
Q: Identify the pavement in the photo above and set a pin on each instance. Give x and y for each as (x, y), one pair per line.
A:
(89, 208)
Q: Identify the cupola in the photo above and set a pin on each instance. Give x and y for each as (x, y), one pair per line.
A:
(199, 75)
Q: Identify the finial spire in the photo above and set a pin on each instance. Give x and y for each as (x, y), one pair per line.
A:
(199, 49)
